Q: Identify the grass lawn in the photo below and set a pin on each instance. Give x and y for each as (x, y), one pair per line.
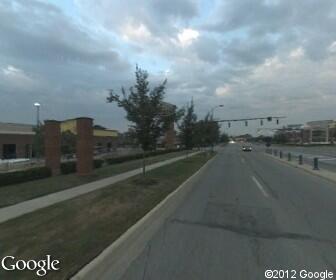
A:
(13, 194)
(77, 230)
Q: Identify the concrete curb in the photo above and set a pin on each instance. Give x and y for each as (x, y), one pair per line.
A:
(330, 176)
(120, 254)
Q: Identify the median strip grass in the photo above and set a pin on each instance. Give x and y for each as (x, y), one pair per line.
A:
(13, 194)
(77, 230)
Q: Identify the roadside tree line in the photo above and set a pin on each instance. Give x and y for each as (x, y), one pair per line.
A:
(144, 107)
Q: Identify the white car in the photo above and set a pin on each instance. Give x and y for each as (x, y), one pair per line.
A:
(247, 148)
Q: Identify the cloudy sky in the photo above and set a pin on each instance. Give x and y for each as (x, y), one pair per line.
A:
(257, 57)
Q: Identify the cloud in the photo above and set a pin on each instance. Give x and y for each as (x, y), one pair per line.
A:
(137, 33)
(187, 36)
(159, 16)
(45, 56)
(297, 53)
(332, 47)
(223, 91)
(257, 56)
(17, 78)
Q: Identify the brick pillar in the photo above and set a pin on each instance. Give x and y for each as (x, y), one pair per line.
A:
(52, 145)
(84, 146)
(170, 137)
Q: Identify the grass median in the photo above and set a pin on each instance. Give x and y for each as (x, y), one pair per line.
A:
(77, 230)
(13, 194)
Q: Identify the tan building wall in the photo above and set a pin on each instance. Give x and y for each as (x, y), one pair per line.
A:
(104, 140)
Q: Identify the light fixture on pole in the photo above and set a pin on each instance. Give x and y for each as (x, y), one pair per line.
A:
(37, 105)
(213, 108)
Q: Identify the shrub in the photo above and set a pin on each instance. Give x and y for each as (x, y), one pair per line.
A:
(97, 163)
(24, 175)
(123, 158)
(68, 167)
(138, 156)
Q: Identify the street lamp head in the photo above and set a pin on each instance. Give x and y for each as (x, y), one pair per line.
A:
(36, 104)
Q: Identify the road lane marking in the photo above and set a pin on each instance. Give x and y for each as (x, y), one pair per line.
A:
(242, 160)
(261, 188)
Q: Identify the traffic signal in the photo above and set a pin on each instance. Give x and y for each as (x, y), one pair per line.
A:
(277, 121)
(246, 123)
(261, 122)
(229, 124)
(269, 119)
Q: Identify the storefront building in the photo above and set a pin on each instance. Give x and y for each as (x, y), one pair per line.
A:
(16, 140)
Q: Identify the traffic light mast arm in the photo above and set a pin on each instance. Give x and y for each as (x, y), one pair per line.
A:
(252, 119)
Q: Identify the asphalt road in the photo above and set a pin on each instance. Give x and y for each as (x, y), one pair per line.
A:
(247, 214)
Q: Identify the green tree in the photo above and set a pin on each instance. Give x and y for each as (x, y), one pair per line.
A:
(206, 132)
(38, 141)
(199, 134)
(212, 130)
(143, 107)
(224, 138)
(68, 143)
(187, 126)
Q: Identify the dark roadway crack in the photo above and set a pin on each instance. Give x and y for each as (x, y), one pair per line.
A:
(264, 234)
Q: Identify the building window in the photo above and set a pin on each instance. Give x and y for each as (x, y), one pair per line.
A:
(9, 151)
(319, 136)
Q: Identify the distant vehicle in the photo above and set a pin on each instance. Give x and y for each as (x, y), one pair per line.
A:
(232, 142)
(247, 148)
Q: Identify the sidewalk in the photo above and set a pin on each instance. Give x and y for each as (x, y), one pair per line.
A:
(17, 210)
(331, 176)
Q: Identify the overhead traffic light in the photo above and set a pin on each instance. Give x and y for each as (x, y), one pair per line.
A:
(229, 124)
(269, 119)
(261, 122)
(277, 121)
(246, 123)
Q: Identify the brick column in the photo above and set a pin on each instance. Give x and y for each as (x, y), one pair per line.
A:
(84, 146)
(52, 145)
(170, 137)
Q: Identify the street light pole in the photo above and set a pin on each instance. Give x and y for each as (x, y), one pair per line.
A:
(37, 105)
(213, 108)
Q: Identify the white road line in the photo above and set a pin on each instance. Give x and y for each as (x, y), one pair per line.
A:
(242, 160)
(261, 188)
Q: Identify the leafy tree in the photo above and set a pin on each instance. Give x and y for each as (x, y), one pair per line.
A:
(206, 132)
(212, 130)
(68, 142)
(187, 126)
(38, 141)
(128, 138)
(224, 138)
(144, 109)
(97, 126)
